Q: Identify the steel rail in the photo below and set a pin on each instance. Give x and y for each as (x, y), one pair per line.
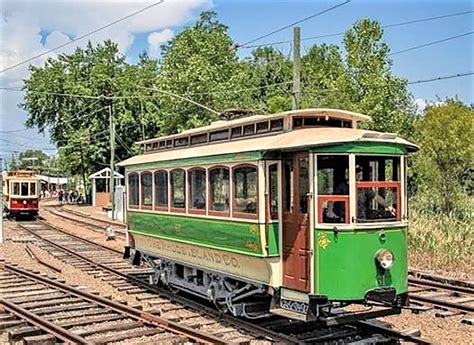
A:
(45, 223)
(253, 328)
(441, 279)
(47, 326)
(140, 315)
(247, 326)
(120, 232)
(393, 333)
(449, 287)
(56, 210)
(438, 302)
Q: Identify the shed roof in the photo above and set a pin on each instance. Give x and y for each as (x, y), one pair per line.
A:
(105, 173)
(306, 137)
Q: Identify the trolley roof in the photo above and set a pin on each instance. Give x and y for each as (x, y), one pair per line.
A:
(223, 124)
(291, 140)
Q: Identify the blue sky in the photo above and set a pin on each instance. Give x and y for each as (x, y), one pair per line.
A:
(249, 19)
(246, 20)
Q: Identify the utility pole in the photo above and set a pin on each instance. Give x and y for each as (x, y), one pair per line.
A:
(112, 167)
(296, 67)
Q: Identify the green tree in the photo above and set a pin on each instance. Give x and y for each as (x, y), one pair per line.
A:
(267, 66)
(199, 63)
(370, 84)
(56, 100)
(445, 164)
(323, 75)
(34, 159)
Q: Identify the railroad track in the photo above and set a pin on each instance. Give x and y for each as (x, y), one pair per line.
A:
(178, 307)
(94, 224)
(38, 309)
(451, 297)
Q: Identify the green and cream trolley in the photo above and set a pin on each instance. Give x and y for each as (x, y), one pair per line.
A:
(291, 213)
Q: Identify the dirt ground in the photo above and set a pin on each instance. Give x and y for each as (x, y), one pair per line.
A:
(439, 330)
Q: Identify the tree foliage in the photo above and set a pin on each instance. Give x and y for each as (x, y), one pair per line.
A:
(445, 164)
(201, 64)
(79, 125)
(34, 159)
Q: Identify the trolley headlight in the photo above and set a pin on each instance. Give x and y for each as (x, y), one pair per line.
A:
(385, 258)
(24, 202)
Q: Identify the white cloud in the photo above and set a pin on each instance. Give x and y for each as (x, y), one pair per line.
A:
(23, 22)
(420, 105)
(155, 39)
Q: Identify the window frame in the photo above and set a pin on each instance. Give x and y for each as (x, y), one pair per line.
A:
(170, 191)
(380, 184)
(210, 211)
(272, 217)
(130, 205)
(155, 206)
(238, 214)
(402, 182)
(141, 194)
(322, 198)
(192, 210)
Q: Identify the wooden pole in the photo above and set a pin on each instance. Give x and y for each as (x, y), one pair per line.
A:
(296, 67)
(112, 157)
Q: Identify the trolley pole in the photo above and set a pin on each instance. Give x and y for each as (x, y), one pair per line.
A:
(296, 67)
(112, 167)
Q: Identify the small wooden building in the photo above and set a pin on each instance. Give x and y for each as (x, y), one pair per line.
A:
(100, 186)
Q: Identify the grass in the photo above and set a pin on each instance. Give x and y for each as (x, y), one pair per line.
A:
(441, 242)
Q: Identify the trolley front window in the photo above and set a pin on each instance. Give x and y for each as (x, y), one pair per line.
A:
(16, 188)
(33, 188)
(333, 189)
(378, 188)
(24, 189)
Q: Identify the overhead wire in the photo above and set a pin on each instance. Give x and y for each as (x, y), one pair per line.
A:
(430, 43)
(414, 21)
(83, 36)
(459, 75)
(292, 24)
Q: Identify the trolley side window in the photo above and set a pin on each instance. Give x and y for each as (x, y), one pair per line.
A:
(197, 189)
(32, 188)
(147, 191)
(273, 190)
(178, 190)
(219, 190)
(333, 189)
(133, 196)
(245, 190)
(161, 189)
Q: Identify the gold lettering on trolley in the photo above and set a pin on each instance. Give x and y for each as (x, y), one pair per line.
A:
(251, 245)
(177, 228)
(323, 240)
(253, 229)
(194, 253)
